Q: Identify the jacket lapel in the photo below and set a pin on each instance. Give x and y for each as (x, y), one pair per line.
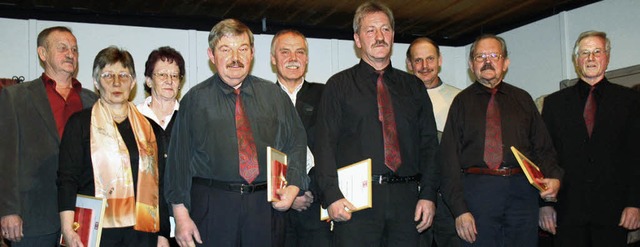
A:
(38, 97)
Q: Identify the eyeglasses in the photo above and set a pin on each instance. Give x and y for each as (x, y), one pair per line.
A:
(588, 53)
(491, 56)
(164, 76)
(110, 77)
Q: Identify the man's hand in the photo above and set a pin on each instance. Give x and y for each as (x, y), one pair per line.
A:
(630, 218)
(303, 202)
(186, 230)
(551, 193)
(287, 195)
(547, 220)
(12, 227)
(466, 227)
(425, 210)
(340, 210)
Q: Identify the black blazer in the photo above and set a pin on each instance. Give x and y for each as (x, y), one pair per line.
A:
(602, 173)
(29, 156)
(307, 101)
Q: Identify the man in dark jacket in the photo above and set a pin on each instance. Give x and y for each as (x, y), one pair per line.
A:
(595, 127)
(34, 116)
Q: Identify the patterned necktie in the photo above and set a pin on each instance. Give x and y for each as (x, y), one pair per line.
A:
(493, 134)
(385, 114)
(590, 112)
(246, 146)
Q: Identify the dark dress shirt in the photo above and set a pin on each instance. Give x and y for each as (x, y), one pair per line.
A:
(204, 143)
(75, 173)
(348, 129)
(463, 138)
(602, 171)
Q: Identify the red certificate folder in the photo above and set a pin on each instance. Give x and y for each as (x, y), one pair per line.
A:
(276, 173)
(87, 220)
(530, 169)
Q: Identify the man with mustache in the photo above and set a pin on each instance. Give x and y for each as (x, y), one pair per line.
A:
(289, 55)
(34, 115)
(487, 192)
(424, 60)
(373, 110)
(216, 170)
(595, 126)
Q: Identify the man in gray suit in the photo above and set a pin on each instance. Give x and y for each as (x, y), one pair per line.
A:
(33, 118)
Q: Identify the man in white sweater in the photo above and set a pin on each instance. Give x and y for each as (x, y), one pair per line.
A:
(424, 60)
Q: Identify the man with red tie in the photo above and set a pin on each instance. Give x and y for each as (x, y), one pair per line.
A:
(492, 201)
(216, 171)
(595, 127)
(372, 110)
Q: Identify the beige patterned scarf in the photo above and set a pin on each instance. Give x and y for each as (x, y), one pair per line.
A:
(112, 170)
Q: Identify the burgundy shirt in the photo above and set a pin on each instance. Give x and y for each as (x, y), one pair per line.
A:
(62, 109)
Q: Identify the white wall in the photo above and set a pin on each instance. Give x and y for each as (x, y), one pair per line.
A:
(18, 55)
(539, 52)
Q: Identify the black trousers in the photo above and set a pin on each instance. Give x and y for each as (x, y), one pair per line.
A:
(226, 218)
(443, 231)
(590, 234)
(127, 237)
(48, 240)
(505, 210)
(389, 223)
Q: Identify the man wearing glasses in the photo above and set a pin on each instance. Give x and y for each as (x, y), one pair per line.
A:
(492, 200)
(34, 115)
(595, 127)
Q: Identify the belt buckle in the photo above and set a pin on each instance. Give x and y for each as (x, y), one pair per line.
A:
(246, 188)
(380, 179)
(506, 172)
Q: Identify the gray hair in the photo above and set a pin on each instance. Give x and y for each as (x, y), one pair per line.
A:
(112, 55)
(503, 45)
(369, 8)
(228, 27)
(584, 35)
(288, 31)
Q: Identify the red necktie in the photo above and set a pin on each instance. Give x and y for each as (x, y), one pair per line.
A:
(590, 112)
(385, 114)
(493, 134)
(246, 146)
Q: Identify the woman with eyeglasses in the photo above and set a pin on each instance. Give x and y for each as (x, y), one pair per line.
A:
(111, 151)
(163, 71)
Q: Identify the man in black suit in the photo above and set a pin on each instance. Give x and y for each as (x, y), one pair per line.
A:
(595, 127)
(289, 55)
(33, 118)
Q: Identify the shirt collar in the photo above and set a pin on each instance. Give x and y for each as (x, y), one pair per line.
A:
(295, 91)
(246, 86)
(480, 89)
(147, 103)
(584, 87)
(369, 70)
(49, 82)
